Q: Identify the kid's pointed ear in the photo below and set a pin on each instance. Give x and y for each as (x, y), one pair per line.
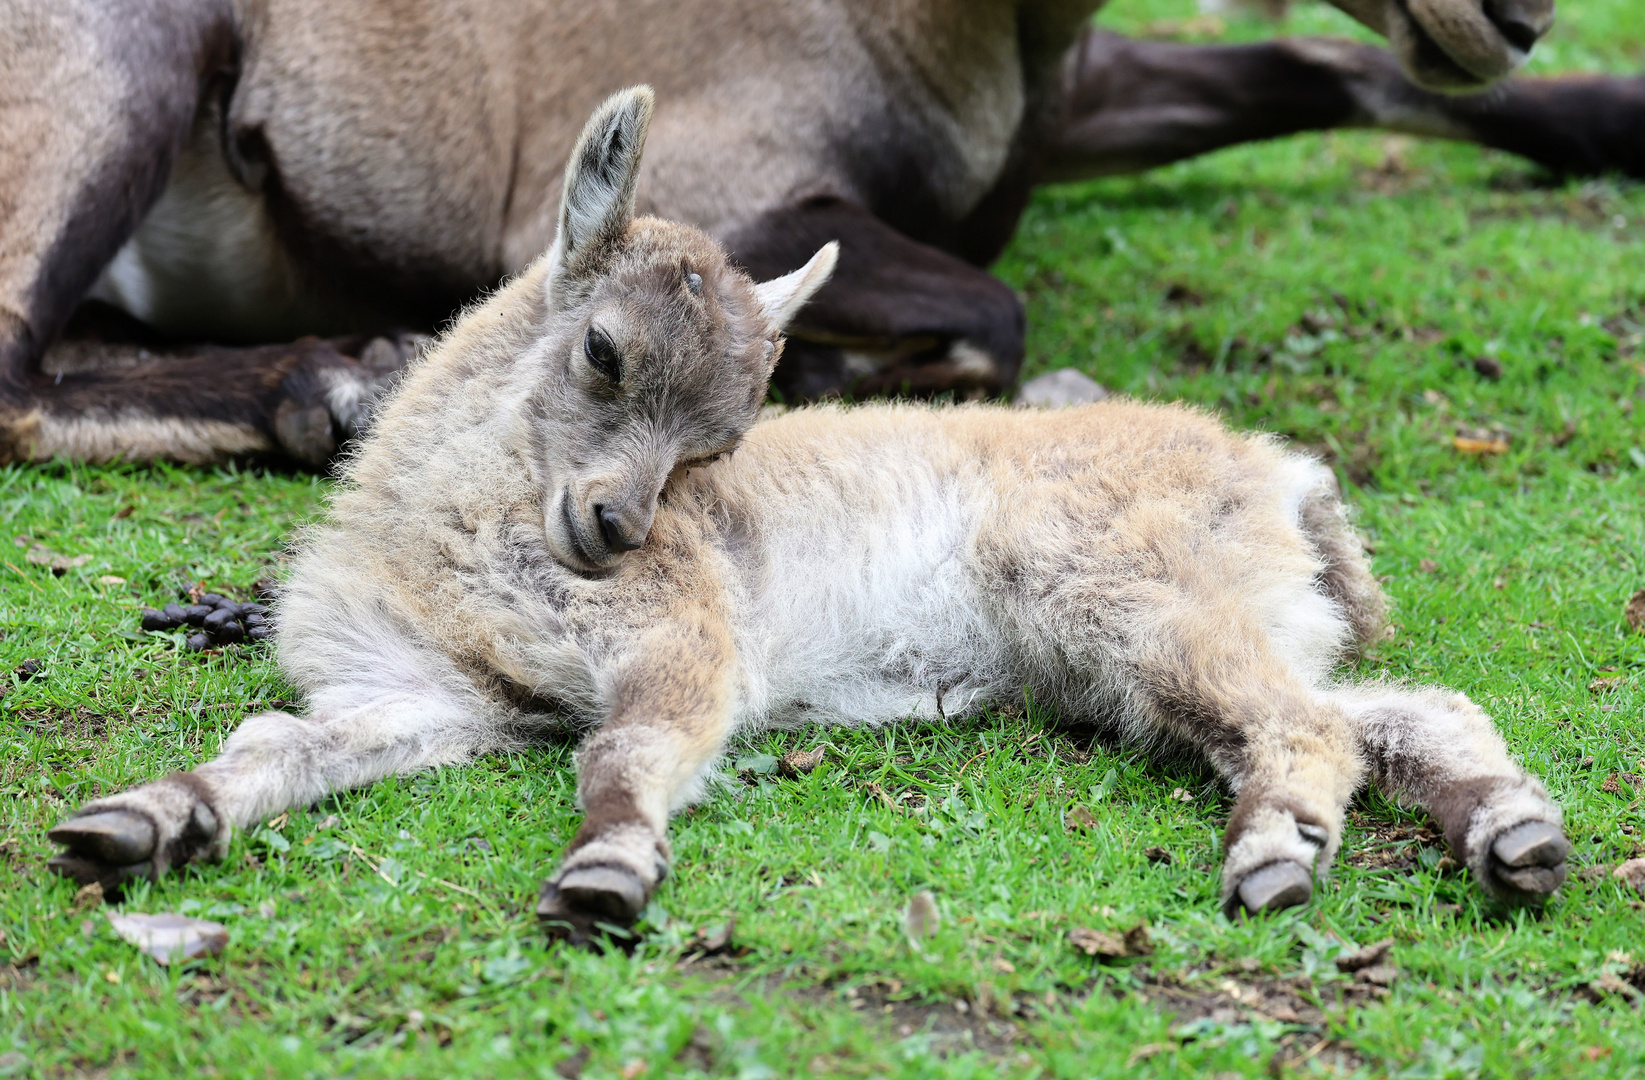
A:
(597, 194)
(782, 297)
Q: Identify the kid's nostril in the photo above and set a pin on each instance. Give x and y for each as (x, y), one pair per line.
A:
(1521, 36)
(611, 529)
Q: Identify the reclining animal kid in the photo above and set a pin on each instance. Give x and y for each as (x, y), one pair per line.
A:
(567, 508)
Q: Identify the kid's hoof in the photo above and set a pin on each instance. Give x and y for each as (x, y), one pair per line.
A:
(591, 902)
(1529, 860)
(1275, 886)
(85, 871)
(114, 837)
(604, 893)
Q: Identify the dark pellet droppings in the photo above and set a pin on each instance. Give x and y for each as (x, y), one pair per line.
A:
(252, 619)
(253, 609)
(30, 669)
(211, 599)
(175, 612)
(196, 615)
(154, 619)
(259, 632)
(199, 642)
(218, 622)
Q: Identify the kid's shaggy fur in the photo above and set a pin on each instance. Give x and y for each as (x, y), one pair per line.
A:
(547, 521)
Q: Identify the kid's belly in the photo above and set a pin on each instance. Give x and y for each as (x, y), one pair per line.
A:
(869, 630)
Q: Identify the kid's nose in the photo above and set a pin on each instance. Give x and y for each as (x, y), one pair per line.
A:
(618, 535)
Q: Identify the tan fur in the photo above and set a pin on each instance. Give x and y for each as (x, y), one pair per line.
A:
(1138, 566)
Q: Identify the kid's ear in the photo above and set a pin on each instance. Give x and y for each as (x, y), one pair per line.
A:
(597, 194)
(782, 297)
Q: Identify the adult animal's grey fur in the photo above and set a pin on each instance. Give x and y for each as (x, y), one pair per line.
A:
(224, 179)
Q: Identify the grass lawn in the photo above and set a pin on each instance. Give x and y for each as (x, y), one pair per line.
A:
(1345, 290)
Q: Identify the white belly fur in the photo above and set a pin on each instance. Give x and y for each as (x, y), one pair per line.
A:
(207, 263)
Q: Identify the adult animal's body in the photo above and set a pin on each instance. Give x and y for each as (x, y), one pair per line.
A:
(548, 520)
(237, 175)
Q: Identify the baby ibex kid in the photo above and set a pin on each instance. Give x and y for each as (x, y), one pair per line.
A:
(548, 519)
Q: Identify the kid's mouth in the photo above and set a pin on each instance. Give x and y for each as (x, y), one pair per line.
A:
(575, 538)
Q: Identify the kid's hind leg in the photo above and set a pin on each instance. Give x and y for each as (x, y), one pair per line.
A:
(669, 717)
(1440, 750)
(1293, 759)
(272, 761)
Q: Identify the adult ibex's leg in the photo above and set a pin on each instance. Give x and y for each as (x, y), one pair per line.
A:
(97, 99)
(1438, 749)
(1132, 105)
(669, 716)
(404, 719)
(897, 316)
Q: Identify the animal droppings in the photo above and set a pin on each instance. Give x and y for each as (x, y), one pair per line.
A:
(221, 621)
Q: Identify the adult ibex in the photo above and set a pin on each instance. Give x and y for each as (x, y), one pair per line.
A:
(547, 519)
(248, 172)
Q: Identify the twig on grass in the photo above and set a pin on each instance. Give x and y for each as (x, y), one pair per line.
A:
(377, 868)
(26, 579)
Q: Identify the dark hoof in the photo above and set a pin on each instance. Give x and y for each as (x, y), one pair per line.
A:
(1275, 886)
(1530, 859)
(115, 837)
(86, 871)
(594, 902)
(605, 893)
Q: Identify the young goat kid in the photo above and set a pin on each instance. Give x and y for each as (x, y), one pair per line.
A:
(546, 520)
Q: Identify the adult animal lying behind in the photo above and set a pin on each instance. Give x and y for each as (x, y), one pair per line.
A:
(548, 518)
(226, 177)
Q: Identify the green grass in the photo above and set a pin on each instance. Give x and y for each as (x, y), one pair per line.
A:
(1341, 289)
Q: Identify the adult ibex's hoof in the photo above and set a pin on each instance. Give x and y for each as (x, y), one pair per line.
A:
(590, 902)
(1528, 860)
(1275, 886)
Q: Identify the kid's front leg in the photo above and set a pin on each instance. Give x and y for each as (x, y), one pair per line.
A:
(669, 715)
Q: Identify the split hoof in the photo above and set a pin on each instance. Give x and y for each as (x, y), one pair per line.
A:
(113, 837)
(1529, 860)
(1276, 886)
(592, 902)
(86, 871)
(605, 893)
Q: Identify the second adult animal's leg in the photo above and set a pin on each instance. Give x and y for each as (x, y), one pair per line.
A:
(1132, 105)
(1438, 749)
(897, 317)
(97, 102)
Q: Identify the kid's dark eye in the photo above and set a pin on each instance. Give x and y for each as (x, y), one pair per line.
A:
(603, 355)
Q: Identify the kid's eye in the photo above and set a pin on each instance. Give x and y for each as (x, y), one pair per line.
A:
(603, 355)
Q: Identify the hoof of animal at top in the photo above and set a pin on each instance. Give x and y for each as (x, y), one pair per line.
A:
(1275, 886)
(115, 837)
(1529, 859)
(590, 901)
